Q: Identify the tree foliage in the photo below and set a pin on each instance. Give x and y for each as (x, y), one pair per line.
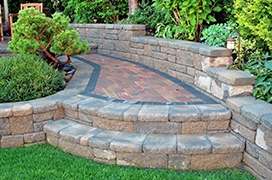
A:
(34, 33)
(187, 17)
(255, 19)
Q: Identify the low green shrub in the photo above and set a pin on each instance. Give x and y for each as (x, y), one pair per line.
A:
(262, 69)
(26, 77)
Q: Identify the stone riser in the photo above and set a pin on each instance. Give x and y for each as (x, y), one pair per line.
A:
(149, 119)
(183, 152)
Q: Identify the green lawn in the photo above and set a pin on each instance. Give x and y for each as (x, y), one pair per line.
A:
(47, 162)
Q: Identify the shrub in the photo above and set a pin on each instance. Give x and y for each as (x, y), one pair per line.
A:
(262, 69)
(216, 35)
(255, 19)
(26, 77)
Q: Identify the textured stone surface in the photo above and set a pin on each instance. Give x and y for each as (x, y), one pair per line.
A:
(5, 109)
(53, 128)
(43, 105)
(225, 143)
(213, 112)
(104, 154)
(34, 137)
(153, 113)
(263, 139)
(215, 161)
(199, 127)
(131, 114)
(158, 127)
(22, 109)
(109, 124)
(102, 140)
(193, 144)
(21, 125)
(4, 126)
(184, 113)
(160, 143)
(218, 125)
(12, 141)
(252, 149)
(243, 131)
(43, 116)
(76, 149)
(113, 111)
(243, 121)
(258, 167)
(53, 140)
(256, 111)
(179, 162)
(266, 159)
(128, 142)
(91, 106)
(236, 103)
(266, 121)
(142, 160)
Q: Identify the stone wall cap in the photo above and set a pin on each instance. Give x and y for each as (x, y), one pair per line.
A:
(231, 77)
(266, 121)
(215, 51)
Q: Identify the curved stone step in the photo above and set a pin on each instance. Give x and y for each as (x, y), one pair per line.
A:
(127, 116)
(174, 151)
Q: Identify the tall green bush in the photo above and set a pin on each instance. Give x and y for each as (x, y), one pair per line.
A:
(255, 19)
(26, 77)
(187, 17)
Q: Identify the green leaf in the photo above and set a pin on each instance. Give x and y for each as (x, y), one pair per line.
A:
(268, 65)
(217, 9)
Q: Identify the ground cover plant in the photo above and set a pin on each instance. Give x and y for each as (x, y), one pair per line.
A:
(26, 77)
(47, 162)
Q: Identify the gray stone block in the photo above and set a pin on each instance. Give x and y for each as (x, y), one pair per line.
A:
(131, 114)
(213, 112)
(22, 109)
(42, 105)
(113, 111)
(214, 51)
(74, 133)
(72, 103)
(160, 143)
(231, 77)
(193, 144)
(225, 143)
(236, 103)
(53, 128)
(91, 106)
(128, 142)
(179, 162)
(158, 127)
(256, 111)
(153, 113)
(5, 110)
(102, 140)
(181, 113)
(266, 121)
(4, 126)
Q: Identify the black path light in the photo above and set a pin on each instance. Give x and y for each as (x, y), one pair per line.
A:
(231, 42)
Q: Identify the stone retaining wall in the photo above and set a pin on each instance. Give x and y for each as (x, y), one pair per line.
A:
(194, 63)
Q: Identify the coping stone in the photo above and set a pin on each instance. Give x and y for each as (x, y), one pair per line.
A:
(266, 121)
(92, 105)
(256, 111)
(160, 143)
(43, 105)
(113, 111)
(153, 113)
(213, 112)
(74, 133)
(193, 144)
(231, 77)
(215, 51)
(224, 143)
(131, 114)
(128, 142)
(55, 127)
(181, 113)
(236, 103)
(102, 139)
(72, 103)
(6, 109)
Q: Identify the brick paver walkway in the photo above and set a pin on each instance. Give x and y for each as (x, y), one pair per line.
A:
(124, 80)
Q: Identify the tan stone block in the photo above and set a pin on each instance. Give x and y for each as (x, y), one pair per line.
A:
(264, 139)
(161, 65)
(197, 61)
(214, 62)
(34, 137)
(85, 117)
(179, 162)
(190, 71)
(203, 81)
(218, 125)
(172, 58)
(76, 149)
(105, 161)
(71, 113)
(21, 125)
(12, 141)
(45, 116)
(116, 125)
(142, 160)
(22, 109)
(194, 127)
(5, 109)
(58, 114)
(215, 161)
(54, 141)
(243, 131)
(258, 167)
(185, 78)
(104, 154)
(234, 91)
(4, 126)
(147, 50)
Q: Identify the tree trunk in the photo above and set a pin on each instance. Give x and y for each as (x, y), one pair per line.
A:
(133, 4)
(6, 11)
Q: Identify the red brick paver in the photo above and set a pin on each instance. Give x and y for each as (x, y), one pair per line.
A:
(127, 81)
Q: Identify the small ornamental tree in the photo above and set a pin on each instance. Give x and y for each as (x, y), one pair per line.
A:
(35, 33)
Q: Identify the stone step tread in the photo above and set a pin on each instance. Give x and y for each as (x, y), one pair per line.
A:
(131, 111)
(83, 134)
